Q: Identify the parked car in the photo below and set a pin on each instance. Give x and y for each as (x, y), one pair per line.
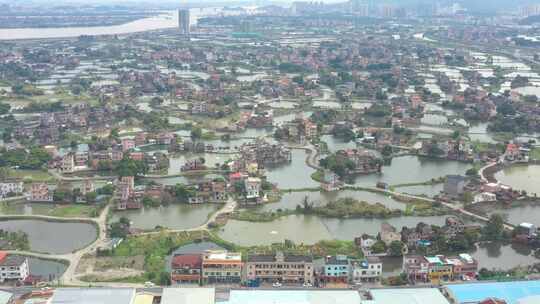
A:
(277, 284)
(307, 285)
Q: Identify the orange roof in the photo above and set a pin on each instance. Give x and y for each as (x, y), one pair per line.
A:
(3, 255)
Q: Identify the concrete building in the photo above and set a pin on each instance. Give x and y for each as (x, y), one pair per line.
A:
(336, 269)
(10, 188)
(186, 268)
(453, 186)
(280, 268)
(13, 267)
(253, 187)
(367, 270)
(40, 192)
(184, 22)
(389, 234)
(222, 267)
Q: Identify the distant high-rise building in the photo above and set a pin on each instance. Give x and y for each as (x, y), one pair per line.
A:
(183, 21)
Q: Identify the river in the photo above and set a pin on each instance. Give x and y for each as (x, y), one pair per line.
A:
(53, 237)
(165, 20)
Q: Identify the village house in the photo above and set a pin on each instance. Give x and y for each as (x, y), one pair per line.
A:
(389, 234)
(364, 161)
(265, 153)
(439, 268)
(41, 192)
(252, 187)
(13, 267)
(193, 165)
(330, 181)
(11, 188)
(453, 185)
(222, 267)
(336, 269)
(367, 270)
(284, 268)
(186, 269)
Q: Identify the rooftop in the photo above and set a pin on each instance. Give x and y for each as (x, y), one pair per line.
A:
(511, 292)
(93, 296)
(188, 296)
(408, 296)
(294, 297)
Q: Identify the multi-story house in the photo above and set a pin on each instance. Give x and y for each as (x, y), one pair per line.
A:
(367, 270)
(336, 269)
(186, 268)
(222, 267)
(10, 188)
(389, 234)
(454, 184)
(40, 192)
(219, 191)
(13, 267)
(330, 181)
(252, 187)
(439, 268)
(128, 144)
(280, 268)
(67, 164)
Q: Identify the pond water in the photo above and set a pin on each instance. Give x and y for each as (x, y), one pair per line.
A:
(49, 270)
(521, 177)
(53, 237)
(174, 216)
(409, 169)
(291, 199)
(311, 229)
(295, 175)
(527, 212)
(503, 256)
(334, 144)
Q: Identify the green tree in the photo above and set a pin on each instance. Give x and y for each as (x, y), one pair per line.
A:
(196, 133)
(494, 229)
(395, 249)
(378, 247)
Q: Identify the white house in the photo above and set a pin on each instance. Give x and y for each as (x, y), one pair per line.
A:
(253, 187)
(15, 187)
(485, 197)
(13, 267)
(369, 269)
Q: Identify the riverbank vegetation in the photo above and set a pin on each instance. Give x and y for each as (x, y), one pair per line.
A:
(347, 208)
(14, 240)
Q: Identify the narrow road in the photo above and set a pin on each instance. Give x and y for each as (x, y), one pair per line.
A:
(447, 205)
